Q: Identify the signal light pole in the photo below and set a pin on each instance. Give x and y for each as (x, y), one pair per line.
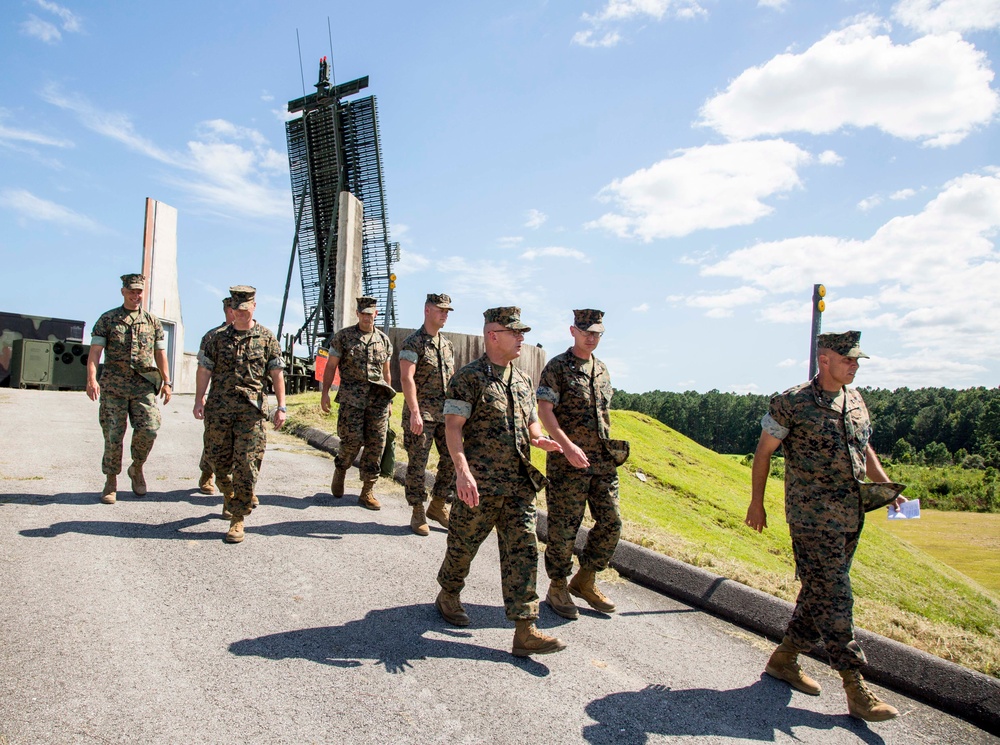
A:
(818, 306)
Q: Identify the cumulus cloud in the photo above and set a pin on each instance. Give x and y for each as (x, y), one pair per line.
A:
(869, 203)
(790, 362)
(48, 31)
(936, 89)
(713, 186)
(410, 262)
(535, 219)
(510, 241)
(721, 304)
(941, 16)
(928, 278)
(902, 194)
(641, 308)
(30, 207)
(555, 252)
(830, 158)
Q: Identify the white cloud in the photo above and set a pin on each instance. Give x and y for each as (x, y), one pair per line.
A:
(510, 241)
(641, 308)
(941, 16)
(410, 262)
(41, 30)
(30, 207)
(10, 134)
(921, 369)
(935, 89)
(929, 278)
(70, 21)
(556, 252)
(869, 203)
(617, 12)
(713, 186)
(490, 282)
(902, 194)
(742, 388)
(790, 362)
(830, 158)
(772, 4)
(721, 304)
(535, 219)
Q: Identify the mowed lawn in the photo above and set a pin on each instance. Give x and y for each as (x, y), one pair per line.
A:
(690, 504)
(966, 541)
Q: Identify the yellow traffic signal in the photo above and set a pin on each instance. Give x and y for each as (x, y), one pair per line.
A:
(392, 281)
(819, 292)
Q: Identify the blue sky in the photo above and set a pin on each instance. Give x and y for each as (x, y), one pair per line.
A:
(690, 167)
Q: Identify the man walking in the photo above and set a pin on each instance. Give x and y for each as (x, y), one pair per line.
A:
(206, 482)
(491, 424)
(235, 362)
(135, 370)
(824, 430)
(574, 399)
(361, 353)
(426, 364)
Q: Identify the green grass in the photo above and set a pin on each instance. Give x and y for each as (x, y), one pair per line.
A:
(692, 505)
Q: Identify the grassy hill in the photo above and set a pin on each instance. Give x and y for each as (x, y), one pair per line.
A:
(691, 507)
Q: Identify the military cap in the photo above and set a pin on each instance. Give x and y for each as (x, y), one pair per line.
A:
(133, 282)
(442, 301)
(242, 296)
(589, 319)
(227, 302)
(367, 305)
(508, 316)
(846, 344)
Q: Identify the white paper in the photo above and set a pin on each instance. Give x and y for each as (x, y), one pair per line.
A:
(908, 510)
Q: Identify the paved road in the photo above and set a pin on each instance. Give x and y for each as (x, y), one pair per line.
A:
(135, 623)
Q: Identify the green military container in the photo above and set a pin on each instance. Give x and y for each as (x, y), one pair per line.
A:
(31, 364)
(69, 365)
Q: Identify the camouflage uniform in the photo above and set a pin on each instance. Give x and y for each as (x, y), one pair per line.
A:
(434, 358)
(363, 396)
(205, 465)
(129, 382)
(580, 393)
(498, 405)
(237, 408)
(824, 446)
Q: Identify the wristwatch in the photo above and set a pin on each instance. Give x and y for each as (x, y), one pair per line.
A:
(167, 382)
(282, 408)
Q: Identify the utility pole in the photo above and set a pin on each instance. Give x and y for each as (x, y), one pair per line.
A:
(818, 305)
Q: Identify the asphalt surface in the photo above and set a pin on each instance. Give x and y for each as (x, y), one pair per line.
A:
(136, 623)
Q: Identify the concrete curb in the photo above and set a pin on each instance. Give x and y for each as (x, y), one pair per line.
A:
(964, 693)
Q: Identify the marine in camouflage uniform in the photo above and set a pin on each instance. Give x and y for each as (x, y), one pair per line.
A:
(824, 429)
(206, 482)
(574, 399)
(491, 425)
(235, 362)
(361, 353)
(426, 365)
(135, 370)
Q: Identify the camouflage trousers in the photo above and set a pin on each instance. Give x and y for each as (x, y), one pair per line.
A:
(234, 445)
(511, 509)
(418, 447)
(360, 428)
(115, 412)
(824, 609)
(566, 496)
(206, 465)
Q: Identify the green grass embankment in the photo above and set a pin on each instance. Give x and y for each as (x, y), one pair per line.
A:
(691, 507)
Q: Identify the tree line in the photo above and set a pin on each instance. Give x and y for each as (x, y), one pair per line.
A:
(923, 426)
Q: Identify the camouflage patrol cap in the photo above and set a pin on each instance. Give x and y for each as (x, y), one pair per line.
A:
(846, 344)
(441, 301)
(227, 302)
(367, 305)
(589, 319)
(133, 282)
(508, 316)
(242, 296)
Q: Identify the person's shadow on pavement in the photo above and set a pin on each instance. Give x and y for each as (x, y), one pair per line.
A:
(392, 637)
(755, 712)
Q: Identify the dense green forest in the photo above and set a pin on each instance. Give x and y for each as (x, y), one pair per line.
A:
(924, 426)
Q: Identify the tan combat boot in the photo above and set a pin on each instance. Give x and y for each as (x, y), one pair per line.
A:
(584, 587)
(437, 511)
(206, 484)
(559, 600)
(235, 534)
(862, 703)
(226, 487)
(783, 666)
(418, 521)
(337, 485)
(109, 495)
(528, 640)
(367, 497)
(449, 605)
(138, 480)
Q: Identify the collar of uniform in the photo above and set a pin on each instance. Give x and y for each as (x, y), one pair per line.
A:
(817, 393)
